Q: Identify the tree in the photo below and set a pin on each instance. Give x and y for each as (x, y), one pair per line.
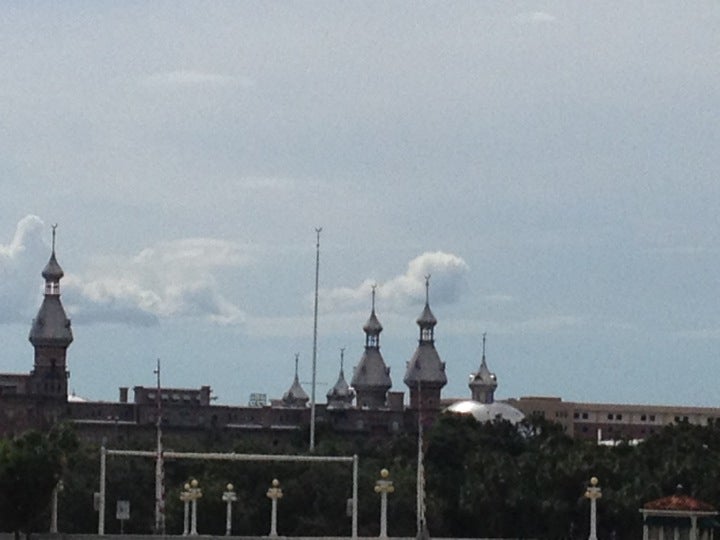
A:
(30, 467)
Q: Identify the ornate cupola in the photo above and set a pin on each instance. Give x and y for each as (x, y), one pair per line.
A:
(483, 383)
(425, 373)
(295, 396)
(341, 395)
(51, 335)
(371, 377)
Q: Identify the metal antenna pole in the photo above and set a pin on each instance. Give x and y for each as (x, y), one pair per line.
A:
(422, 531)
(314, 354)
(159, 465)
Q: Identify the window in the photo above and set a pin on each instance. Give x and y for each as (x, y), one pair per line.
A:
(618, 417)
(576, 415)
(610, 416)
(643, 417)
(652, 417)
(585, 416)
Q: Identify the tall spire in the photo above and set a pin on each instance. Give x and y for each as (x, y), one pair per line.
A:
(371, 378)
(483, 383)
(340, 396)
(372, 327)
(51, 334)
(295, 396)
(425, 367)
(427, 320)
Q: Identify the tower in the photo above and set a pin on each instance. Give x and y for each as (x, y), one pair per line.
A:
(371, 377)
(50, 336)
(483, 383)
(295, 396)
(425, 373)
(340, 396)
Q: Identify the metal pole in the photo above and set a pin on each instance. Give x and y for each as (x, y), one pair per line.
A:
(229, 496)
(273, 518)
(159, 465)
(383, 487)
(193, 518)
(101, 498)
(355, 498)
(228, 519)
(54, 509)
(314, 355)
(186, 517)
(274, 493)
(593, 492)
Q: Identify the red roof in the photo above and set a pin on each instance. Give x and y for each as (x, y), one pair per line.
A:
(679, 502)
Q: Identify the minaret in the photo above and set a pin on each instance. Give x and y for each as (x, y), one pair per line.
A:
(371, 377)
(425, 373)
(483, 383)
(341, 395)
(51, 335)
(295, 396)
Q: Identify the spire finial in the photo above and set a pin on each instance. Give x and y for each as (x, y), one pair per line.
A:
(374, 287)
(427, 289)
(484, 336)
(297, 356)
(342, 358)
(53, 236)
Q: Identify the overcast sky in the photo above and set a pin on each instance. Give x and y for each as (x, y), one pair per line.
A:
(553, 165)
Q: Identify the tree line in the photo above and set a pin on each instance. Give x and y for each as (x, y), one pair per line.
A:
(482, 480)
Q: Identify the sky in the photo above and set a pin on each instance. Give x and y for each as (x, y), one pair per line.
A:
(553, 166)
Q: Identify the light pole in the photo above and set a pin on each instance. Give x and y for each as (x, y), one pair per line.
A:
(274, 493)
(593, 492)
(195, 494)
(185, 498)
(54, 509)
(383, 487)
(229, 496)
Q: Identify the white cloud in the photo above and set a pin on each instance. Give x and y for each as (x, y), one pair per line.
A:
(20, 267)
(447, 282)
(173, 279)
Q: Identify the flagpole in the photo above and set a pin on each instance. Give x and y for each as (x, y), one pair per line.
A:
(314, 353)
(159, 463)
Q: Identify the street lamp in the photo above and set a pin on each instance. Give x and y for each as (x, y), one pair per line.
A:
(54, 508)
(383, 487)
(195, 494)
(185, 498)
(274, 493)
(229, 496)
(593, 492)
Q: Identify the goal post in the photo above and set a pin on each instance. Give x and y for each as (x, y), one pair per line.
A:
(230, 456)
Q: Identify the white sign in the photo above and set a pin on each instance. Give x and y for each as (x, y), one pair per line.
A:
(257, 400)
(122, 511)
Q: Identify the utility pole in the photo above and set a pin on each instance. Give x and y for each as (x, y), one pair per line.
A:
(318, 230)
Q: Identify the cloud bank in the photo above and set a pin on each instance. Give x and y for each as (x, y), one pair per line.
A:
(448, 281)
(171, 279)
(20, 267)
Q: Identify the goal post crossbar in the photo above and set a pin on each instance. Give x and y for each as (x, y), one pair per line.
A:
(231, 456)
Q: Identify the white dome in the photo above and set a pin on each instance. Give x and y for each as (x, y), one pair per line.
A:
(487, 412)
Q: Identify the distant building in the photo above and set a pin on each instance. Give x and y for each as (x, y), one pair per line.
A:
(366, 407)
